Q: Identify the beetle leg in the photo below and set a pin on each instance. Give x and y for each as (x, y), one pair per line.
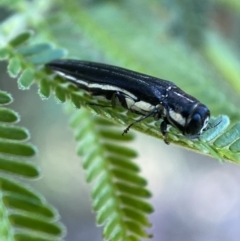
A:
(139, 120)
(163, 128)
(121, 98)
(114, 99)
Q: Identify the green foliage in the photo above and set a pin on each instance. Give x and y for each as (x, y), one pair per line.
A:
(24, 213)
(14, 67)
(118, 189)
(26, 79)
(20, 39)
(149, 44)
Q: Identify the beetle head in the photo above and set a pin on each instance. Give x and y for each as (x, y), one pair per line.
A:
(197, 120)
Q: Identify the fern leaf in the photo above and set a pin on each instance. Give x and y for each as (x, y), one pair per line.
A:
(119, 191)
(13, 132)
(26, 78)
(25, 212)
(35, 224)
(4, 53)
(14, 67)
(44, 89)
(20, 38)
(8, 116)
(16, 167)
(46, 56)
(5, 98)
(34, 49)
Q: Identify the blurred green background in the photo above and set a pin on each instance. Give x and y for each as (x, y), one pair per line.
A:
(193, 43)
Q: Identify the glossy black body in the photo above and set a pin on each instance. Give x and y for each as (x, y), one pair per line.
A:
(170, 103)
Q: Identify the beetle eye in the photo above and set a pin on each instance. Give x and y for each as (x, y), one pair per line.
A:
(194, 125)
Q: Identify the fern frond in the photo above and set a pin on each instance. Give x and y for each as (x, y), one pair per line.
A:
(119, 192)
(131, 195)
(66, 91)
(25, 213)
